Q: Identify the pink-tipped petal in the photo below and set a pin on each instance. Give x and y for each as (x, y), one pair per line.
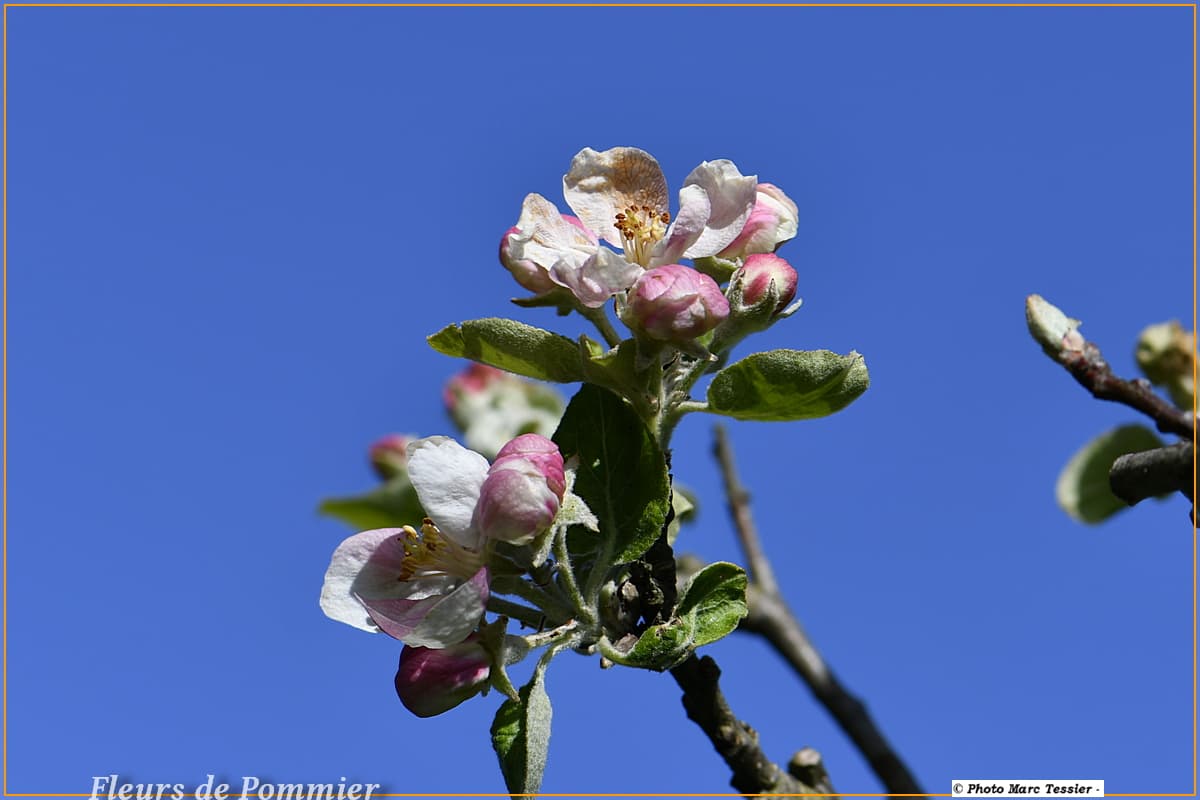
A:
(731, 198)
(598, 278)
(436, 621)
(774, 220)
(369, 564)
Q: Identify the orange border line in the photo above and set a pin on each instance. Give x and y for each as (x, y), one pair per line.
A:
(4, 246)
(603, 5)
(1195, 382)
(625, 794)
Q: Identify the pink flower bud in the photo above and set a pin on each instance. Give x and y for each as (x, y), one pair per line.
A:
(520, 496)
(758, 273)
(675, 303)
(389, 455)
(773, 221)
(526, 272)
(431, 682)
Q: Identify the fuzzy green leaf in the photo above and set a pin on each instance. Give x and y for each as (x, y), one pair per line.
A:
(781, 385)
(521, 736)
(715, 598)
(1083, 490)
(512, 346)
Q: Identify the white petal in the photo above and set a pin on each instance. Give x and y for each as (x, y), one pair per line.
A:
(545, 238)
(599, 185)
(434, 621)
(367, 563)
(731, 197)
(455, 616)
(694, 211)
(598, 279)
(447, 477)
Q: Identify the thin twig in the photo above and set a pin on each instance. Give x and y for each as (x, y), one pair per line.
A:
(1089, 368)
(734, 740)
(739, 506)
(771, 618)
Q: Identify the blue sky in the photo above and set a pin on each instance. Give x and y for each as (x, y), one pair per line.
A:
(230, 230)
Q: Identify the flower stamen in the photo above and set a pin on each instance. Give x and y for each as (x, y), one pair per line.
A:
(431, 553)
(641, 227)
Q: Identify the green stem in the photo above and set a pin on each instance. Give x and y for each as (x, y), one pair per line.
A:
(599, 318)
(524, 614)
(585, 610)
(554, 607)
(679, 403)
(599, 572)
(671, 419)
(549, 637)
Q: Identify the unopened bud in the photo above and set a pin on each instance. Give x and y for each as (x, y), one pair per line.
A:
(1051, 328)
(389, 455)
(675, 303)
(532, 274)
(525, 272)
(759, 272)
(432, 681)
(1166, 354)
(523, 490)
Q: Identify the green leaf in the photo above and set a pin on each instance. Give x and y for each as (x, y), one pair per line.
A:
(659, 648)
(713, 604)
(622, 474)
(715, 598)
(512, 346)
(521, 736)
(1083, 490)
(787, 385)
(392, 505)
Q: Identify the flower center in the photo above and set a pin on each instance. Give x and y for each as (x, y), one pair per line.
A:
(431, 554)
(641, 227)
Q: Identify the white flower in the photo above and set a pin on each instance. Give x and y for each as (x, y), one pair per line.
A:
(620, 196)
(426, 588)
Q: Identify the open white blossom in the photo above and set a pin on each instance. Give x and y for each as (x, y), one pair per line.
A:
(426, 588)
(620, 197)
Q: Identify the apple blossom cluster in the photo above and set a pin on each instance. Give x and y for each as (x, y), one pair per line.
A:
(728, 223)
(563, 540)
(429, 588)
